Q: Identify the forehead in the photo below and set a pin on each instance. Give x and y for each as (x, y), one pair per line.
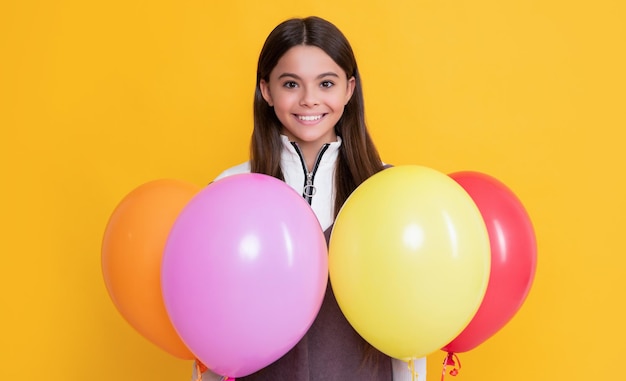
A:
(306, 61)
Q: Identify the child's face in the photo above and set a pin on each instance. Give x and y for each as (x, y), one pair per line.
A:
(308, 91)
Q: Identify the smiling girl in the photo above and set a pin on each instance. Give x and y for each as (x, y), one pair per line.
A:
(310, 131)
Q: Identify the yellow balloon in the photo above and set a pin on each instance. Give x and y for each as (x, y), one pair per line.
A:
(409, 260)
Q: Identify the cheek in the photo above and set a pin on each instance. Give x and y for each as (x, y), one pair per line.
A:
(340, 101)
(284, 103)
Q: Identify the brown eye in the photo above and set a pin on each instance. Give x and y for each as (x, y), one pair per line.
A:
(290, 84)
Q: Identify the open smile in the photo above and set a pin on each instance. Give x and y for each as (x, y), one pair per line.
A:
(310, 118)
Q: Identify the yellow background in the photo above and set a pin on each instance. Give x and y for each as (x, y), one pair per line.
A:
(98, 97)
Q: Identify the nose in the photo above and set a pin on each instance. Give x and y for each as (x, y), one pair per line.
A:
(309, 98)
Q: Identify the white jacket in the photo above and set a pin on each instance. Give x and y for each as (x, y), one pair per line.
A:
(321, 184)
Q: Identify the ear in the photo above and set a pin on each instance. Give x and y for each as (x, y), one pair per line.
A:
(265, 91)
(350, 89)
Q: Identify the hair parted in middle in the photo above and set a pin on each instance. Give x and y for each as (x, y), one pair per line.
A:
(358, 158)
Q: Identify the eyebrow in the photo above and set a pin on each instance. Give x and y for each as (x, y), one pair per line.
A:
(292, 75)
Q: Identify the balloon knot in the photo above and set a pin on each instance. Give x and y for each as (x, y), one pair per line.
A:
(450, 360)
(201, 368)
(414, 375)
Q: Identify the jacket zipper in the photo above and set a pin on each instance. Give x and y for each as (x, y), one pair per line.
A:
(309, 188)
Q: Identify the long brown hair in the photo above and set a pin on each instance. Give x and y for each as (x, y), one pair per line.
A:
(358, 157)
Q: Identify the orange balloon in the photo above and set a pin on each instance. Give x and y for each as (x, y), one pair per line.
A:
(132, 250)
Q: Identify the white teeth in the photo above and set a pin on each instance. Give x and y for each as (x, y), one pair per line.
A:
(309, 118)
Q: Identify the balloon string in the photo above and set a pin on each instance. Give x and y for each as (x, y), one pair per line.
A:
(449, 360)
(200, 368)
(414, 375)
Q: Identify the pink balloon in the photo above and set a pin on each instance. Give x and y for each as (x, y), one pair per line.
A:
(244, 273)
(513, 258)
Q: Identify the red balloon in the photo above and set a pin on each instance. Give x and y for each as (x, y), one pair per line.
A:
(513, 258)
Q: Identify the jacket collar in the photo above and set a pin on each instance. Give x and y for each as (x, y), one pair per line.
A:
(289, 154)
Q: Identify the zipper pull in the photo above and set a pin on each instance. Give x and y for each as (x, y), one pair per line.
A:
(309, 188)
